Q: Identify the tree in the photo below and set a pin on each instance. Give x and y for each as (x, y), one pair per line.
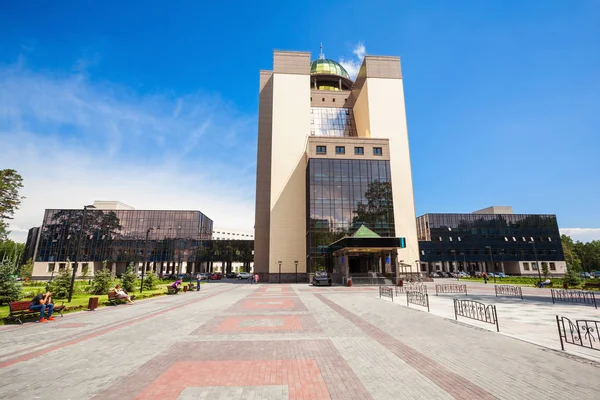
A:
(572, 278)
(102, 281)
(10, 183)
(545, 270)
(61, 285)
(128, 279)
(10, 289)
(26, 270)
(85, 270)
(150, 281)
(571, 257)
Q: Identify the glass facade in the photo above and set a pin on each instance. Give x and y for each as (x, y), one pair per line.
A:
(123, 235)
(467, 236)
(326, 121)
(341, 196)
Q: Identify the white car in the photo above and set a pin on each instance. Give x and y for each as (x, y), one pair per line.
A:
(244, 275)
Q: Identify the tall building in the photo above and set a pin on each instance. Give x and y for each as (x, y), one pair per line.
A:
(492, 240)
(333, 157)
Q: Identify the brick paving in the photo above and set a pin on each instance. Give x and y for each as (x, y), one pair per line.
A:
(265, 341)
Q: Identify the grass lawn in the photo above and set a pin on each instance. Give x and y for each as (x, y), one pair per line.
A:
(80, 300)
(557, 283)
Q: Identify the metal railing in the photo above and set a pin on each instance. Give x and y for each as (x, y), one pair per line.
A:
(573, 296)
(411, 287)
(584, 332)
(418, 298)
(476, 310)
(508, 290)
(386, 291)
(451, 288)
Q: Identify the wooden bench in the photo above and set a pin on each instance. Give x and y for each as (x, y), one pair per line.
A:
(114, 299)
(171, 290)
(19, 309)
(591, 285)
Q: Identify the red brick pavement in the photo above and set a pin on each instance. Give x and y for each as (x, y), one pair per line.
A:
(251, 304)
(311, 369)
(452, 383)
(302, 377)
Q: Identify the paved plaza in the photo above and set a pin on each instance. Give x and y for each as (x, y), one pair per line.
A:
(242, 341)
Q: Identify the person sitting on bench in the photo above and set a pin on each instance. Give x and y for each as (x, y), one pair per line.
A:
(175, 285)
(122, 294)
(546, 282)
(42, 302)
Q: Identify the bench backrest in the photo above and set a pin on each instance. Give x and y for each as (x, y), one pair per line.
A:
(19, 305)
(112, 295)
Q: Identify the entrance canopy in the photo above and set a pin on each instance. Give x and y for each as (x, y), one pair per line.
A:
(365, 240)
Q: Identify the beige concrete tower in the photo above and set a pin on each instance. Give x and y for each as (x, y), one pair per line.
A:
(303, 109)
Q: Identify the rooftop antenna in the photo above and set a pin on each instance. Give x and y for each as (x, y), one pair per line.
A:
(321, 55)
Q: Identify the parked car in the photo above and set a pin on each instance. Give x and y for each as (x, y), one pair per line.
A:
(183, 277)
(585, 275)
(215, 277)
(231, 275)
(204, 276)
(321, 278)
(243, 275)
(501, 275)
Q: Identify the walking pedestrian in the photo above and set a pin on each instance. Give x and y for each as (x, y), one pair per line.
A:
(198, 279)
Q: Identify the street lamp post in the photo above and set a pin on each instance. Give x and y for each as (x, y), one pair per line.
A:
(492, 260)
(77, 254)
(296, 262)
(537, 264)
(145, 259)
(279, 262)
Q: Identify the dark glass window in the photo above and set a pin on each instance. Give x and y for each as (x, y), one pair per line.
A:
(359, 151)
(377, 151)
(321, 149)
(340, 150)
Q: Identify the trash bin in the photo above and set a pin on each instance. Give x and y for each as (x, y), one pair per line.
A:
(92, 303)
(185, 288)
(400, 282)
(350, 281)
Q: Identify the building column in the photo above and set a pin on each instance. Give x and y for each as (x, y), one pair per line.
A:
(113, 270)
(502, 266)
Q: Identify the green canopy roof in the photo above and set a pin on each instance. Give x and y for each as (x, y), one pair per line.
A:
(364, 232)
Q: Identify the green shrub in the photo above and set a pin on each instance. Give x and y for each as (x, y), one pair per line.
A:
(61, 284)
(102, 281)
(26, 270)
(10, 289)
(150, 281)
(128, 279)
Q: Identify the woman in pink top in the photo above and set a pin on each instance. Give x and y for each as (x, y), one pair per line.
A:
(255, 278)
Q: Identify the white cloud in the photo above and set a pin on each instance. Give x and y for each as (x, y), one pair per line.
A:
(582, 234)
(353, 64)
(75, 141)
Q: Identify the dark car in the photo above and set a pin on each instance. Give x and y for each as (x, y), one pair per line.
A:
(231, 275)
(321, 278)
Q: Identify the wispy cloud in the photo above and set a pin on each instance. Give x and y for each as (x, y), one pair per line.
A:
(582, 234)
(75, 141)
(353, 64)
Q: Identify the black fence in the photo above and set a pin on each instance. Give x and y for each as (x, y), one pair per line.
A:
(573, 296)
(476, 310)
(386, 291)
(584, 332)
(418, 298)
(411, 287)
(451, 288)
(508, 290)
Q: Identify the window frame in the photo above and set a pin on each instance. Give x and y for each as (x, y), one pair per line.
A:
(324, 148)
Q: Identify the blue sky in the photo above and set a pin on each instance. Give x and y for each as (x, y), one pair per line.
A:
(155, 103)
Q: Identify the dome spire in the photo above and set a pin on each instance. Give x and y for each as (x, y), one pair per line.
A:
(321, 55)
